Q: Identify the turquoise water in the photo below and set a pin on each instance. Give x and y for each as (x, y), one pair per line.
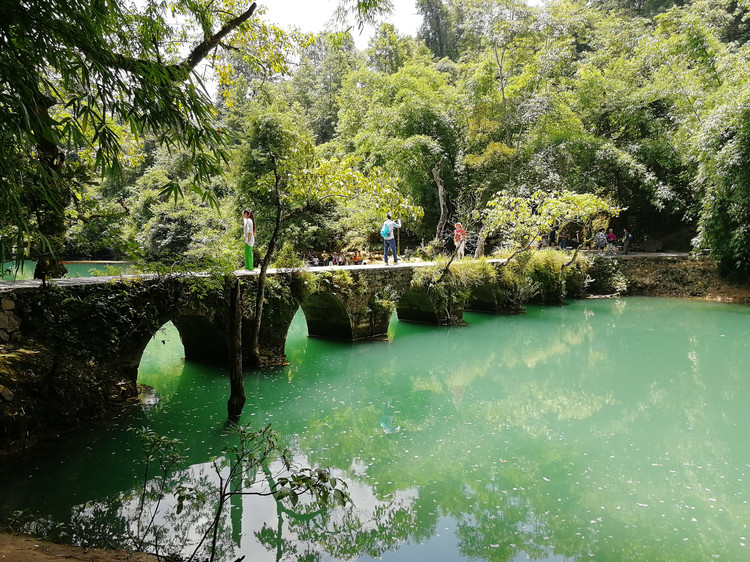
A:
(602, 430)
(75, 269)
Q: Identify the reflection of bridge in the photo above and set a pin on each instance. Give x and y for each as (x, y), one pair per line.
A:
(114, 318)
(73, 347)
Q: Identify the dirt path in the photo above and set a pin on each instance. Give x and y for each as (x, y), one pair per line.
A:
(22, 548)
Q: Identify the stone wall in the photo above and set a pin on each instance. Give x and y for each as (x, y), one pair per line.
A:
(680, 276)
(10, 324)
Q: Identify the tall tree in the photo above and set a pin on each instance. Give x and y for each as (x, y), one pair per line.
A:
(388, 51)
(406, 123)
(70, 68)
(316, 84)
(279, 169)
(437, 29)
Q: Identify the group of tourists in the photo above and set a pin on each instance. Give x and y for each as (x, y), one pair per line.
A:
(329, 258)
(561, 240)
(607, 242)
(334, 258)
(602, 241)
(341, 258)
(389, 241)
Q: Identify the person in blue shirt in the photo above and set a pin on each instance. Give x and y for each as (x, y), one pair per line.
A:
(388, 240)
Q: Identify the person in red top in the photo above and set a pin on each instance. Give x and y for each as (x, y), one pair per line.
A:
(459, 238)
(611, 239)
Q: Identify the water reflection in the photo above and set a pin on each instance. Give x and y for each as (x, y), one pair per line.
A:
(25, 269)
(604, 429)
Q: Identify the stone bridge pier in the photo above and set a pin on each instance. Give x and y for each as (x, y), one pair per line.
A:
(345, 303)
(355, 303)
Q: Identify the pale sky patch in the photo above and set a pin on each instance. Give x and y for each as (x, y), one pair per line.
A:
(314, 17)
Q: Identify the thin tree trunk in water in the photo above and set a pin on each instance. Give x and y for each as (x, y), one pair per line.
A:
(441, 197)
(237, 396)
(255, 333)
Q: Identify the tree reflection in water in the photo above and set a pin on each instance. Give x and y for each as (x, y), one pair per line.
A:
(183, 513)
(611, 430)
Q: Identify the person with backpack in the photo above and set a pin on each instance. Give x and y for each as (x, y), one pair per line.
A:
(388, 240)
(600, 240)
(627, 238)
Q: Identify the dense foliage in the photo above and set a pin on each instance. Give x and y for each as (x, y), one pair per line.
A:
(643, 105)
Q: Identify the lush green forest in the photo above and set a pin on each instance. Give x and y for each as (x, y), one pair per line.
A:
(109, 150)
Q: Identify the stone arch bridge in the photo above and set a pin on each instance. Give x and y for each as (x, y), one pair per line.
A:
(110, 320)
(70, 350)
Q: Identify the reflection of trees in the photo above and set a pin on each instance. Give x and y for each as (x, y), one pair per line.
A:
(499, 532)
(347, 534)
(342, 533)
(578, 421)
(115, 523)
(183, 512)
(531, 449)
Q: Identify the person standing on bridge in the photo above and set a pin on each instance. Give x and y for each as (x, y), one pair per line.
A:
(388, 240)
(600, 240)
(459, 239)
(248, 228)
(627, 238)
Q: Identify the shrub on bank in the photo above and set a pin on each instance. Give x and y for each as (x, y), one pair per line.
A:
(541, 277)
(606, 277)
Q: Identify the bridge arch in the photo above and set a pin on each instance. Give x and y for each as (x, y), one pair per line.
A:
(327, 317)
(203, 339)
(418, 304)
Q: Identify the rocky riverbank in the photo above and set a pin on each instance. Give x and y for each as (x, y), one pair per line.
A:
(22, 548)
(679, 276)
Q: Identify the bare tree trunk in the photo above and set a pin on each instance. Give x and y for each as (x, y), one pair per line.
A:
(237, 396)
(500, 61)
(441, 197)
(447, 268)
(261, 290)
(479, 252)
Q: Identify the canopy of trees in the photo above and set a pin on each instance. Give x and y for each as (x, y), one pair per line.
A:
(641, 104)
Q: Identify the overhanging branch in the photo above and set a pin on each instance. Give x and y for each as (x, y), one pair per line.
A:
(181, 70)
(201, 51)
